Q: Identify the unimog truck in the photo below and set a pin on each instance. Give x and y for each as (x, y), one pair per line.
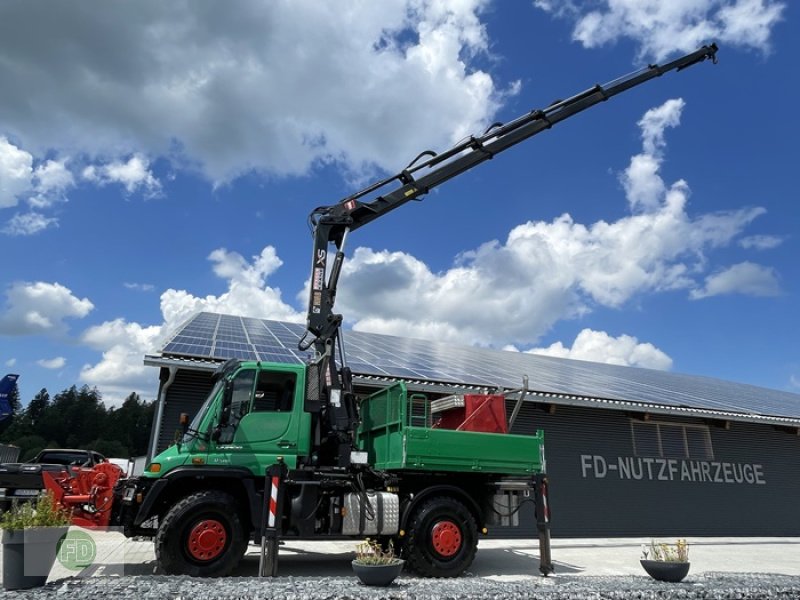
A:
(290, 451)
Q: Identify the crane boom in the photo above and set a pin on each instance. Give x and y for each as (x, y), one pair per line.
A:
(331, 224)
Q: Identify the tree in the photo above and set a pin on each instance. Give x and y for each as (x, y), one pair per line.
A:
(109, 448)
(131, 424)
(29, 446)
(37, 407)
(77, 418)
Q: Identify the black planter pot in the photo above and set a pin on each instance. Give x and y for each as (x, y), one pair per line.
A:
(660, 570)
(381, 575)
(28, 556)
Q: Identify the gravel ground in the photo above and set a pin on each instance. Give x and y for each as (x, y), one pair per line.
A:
(737, 586)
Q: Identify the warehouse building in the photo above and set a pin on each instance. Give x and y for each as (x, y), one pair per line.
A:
(630, 452)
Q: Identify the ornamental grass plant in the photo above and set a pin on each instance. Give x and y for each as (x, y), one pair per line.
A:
(663, 552)
(371, 553)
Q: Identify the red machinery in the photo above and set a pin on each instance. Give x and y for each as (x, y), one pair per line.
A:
(87, 492)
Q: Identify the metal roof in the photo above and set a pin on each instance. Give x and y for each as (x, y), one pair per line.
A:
(376, 358)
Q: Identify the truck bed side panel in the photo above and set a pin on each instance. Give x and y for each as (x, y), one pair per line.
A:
(396, 437)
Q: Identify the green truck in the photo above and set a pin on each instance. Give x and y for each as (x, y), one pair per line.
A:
(282, 451)
(430, 490)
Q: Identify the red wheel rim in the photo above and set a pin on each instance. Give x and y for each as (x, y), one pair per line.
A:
(207, 540)
(446, 538)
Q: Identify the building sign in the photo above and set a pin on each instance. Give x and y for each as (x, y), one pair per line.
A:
(639, 468)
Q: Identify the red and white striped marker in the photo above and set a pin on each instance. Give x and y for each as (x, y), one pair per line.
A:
(273, 501)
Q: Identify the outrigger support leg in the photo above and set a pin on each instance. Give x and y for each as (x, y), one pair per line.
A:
(271, 519)
(543, 524)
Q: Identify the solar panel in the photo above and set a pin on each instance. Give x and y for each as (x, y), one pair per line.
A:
(219, 337)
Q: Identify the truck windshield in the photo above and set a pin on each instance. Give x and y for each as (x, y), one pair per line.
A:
(194, 426)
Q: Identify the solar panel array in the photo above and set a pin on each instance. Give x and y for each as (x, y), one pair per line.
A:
(219, 337)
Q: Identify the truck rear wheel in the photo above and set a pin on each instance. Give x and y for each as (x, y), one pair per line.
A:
(442, 538)
(201, 536)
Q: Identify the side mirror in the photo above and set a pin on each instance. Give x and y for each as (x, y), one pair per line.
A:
(184, 421)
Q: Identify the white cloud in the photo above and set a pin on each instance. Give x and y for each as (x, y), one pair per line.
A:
(52, 363)
(133, 175)
(794, 381)
(123, 344)
(121, 371)
(11, 362)
(248, 293)
(761, 242)
(51, 179)
(227, 90)
(643, 186)
(745, 278)
(139, 287)
(29, 223)
(16, 172)
(40, 307)
(41, 186)
(598, 346)
(661, 28)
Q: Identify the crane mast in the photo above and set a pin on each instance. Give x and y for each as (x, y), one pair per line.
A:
(329, 389)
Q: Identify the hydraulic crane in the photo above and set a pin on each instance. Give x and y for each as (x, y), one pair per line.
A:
(330, 390)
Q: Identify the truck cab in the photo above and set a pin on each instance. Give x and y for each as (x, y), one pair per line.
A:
(253, 414)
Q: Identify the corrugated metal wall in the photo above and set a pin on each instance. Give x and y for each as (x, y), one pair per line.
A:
(8, 453)
(186, 394)
(600, 487)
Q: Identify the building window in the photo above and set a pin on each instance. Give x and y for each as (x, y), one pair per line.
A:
(671, 440)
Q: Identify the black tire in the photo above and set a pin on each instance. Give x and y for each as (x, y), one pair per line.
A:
(442, 538)
(201, 536)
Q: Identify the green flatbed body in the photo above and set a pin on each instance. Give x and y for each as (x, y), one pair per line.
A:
(395, 431)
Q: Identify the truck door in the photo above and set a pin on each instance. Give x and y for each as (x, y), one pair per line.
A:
(265, 422)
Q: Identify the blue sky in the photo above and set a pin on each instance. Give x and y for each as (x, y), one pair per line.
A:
(161, 158)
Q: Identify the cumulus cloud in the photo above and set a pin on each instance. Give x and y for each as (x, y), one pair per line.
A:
(41, 308)
(16, 173)
(29, 223)
(11, 362)
(52, 363)
(745, 278)
(547, 271)
(661, 28)
(133, 174)
(248, 293)
(120, 370)
(40, 186)
(123, 344)
(598, 346)
(256, 87)
(761, 242)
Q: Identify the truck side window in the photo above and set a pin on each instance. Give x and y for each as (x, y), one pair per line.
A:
(274, 392)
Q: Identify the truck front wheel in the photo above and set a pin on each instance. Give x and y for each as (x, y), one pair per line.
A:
(201, 536)
(442, 538)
